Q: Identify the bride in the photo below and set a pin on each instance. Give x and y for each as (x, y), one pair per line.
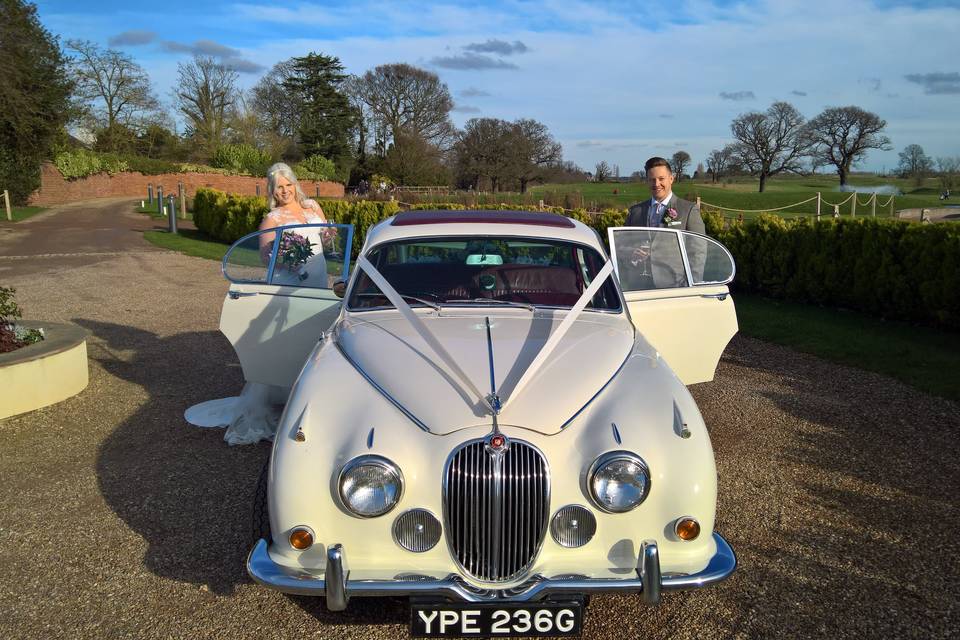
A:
(253, 416)
(300, 260)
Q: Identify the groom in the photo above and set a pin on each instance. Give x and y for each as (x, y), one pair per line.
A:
(664, 209)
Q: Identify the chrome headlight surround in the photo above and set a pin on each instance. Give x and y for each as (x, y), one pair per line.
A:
(599, 470)
(351, 475)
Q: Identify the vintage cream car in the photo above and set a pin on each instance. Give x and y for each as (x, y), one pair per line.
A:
(486, 421)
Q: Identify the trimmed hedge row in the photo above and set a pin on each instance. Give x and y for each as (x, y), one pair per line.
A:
(889, 268)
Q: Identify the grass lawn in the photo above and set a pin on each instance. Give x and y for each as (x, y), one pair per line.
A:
(190, 242)
(922, 357)
(21, 213)
(741, 193)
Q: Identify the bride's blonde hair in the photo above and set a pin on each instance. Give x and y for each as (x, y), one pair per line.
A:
(277, 170)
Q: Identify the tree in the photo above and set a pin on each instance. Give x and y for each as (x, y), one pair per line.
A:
(403, 99)
(35, 99)
(412, 160)
(117, 86)
(719, 160)
(206, 95)
(480, 151)
(947, 169)
(681, 159)
(601, 172)
(772, 142)
(326, 120)
(841, 136)
(914, 163)
(531, 152)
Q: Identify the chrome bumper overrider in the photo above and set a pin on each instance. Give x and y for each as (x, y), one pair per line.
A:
(338, 588)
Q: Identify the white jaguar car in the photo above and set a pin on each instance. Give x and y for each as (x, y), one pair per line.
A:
(486, 414)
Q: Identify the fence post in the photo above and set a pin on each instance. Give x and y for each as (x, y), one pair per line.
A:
(818, 205)
(6, 203)
(160, 199)
(853, 207)
(183, 200)
(149, 194)
(873, 206)
(698, 203)
(891, 206)
(541, 205)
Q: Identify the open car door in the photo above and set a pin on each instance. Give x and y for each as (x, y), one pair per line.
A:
(675, 285)
(281, 296)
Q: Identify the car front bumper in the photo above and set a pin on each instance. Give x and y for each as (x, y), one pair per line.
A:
(336, 586)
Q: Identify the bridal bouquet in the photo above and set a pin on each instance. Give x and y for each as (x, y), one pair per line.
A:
(294, 251)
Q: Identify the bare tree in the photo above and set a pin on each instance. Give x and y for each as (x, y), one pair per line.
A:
(532, 150)
(914, 163)
(718, 162)
(680, 161)
(601, 171)
(277, 117)
(479, 151)
(116, 88)
(841, 136)
(772, 142)
(947, 169)
(404, 100)
(206, 95)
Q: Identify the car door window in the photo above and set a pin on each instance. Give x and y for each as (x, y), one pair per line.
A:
(308, 255)
(667, 259)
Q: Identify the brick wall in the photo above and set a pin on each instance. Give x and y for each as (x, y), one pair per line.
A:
(55, 190)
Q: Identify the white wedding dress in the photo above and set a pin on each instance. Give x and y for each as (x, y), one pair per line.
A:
(255, 413)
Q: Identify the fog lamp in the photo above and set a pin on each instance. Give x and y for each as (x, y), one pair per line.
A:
(573, 526)
(687, 528)
(301, 538)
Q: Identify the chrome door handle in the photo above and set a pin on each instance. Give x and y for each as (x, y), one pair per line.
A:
(236, 294)
(718, 296)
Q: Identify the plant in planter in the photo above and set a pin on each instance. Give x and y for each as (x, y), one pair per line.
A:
(12, 336)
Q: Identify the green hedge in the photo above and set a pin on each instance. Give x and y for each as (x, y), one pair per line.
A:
(889, 268)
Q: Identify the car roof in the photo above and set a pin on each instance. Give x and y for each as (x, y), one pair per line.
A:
(528, 224)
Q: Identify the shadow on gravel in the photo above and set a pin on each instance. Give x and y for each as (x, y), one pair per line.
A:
(181, 488)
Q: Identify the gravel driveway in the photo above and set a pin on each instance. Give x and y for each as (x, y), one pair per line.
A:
(117, 519)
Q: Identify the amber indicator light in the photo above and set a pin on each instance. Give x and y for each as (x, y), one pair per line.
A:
(687, 529)
(301, 539)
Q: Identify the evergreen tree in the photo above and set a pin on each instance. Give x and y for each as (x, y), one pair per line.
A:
(326, 119)
(34, 97)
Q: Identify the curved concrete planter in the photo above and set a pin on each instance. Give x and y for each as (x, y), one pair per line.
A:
(45, 372)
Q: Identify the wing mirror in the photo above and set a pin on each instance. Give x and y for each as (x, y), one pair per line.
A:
(340, 288)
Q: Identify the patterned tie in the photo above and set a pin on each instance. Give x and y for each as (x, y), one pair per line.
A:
(655, 214)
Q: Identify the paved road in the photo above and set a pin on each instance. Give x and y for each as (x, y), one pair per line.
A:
(837, 487)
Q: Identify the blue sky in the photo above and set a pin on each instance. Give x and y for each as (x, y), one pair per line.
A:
(614, 81)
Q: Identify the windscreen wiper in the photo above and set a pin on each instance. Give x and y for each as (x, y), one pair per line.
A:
(432, 305)
(512, 303)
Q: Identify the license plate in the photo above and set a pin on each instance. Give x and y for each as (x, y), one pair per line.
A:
(496, 619)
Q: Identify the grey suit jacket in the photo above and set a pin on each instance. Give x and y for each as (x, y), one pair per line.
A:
(689, 215)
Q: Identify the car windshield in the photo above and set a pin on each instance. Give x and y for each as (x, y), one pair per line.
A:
(484, 270)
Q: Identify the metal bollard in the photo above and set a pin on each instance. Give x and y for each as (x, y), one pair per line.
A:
(149, 194)
(183, 200)
(258, 190)
(160, 199)
(171, 214)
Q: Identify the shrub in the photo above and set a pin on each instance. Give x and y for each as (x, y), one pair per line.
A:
(316, 168)
(241, 158)
(18, 175)
(889, 268)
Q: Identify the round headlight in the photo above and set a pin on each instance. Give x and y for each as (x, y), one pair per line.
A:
(618, 481)
(370, 486)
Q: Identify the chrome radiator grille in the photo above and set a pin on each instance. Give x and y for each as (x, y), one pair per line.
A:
(496, 507)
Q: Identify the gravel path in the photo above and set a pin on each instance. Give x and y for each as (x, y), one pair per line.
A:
(837, 487)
